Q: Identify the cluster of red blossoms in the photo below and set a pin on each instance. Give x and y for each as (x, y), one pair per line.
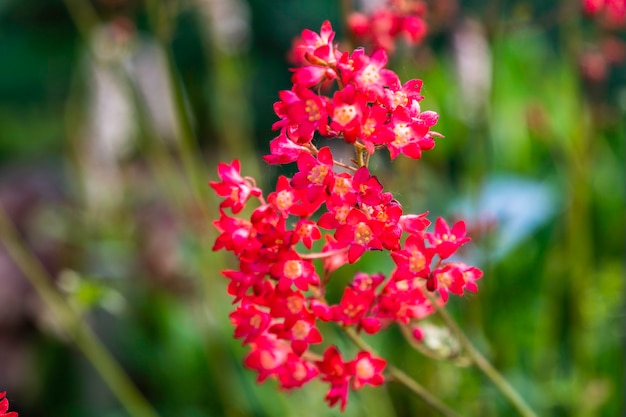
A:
(613, 11)
(4, 406)
(397, 18)
(278, 288)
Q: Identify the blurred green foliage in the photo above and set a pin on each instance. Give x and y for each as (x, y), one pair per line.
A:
(550, 310)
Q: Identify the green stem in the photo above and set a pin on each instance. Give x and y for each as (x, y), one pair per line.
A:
(405, 379)
(83, 337)
(481, 362)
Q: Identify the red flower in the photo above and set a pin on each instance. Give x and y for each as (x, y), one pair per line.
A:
(454, 277)
(310, 42)
(370, 74)
(360, 233)
(352, 307)
(234, 186)
(414, 260)
(366, 370)
(315, 175)
(347, 110)
(333, 369)
(4, 406)
(303, 109)
(296, 372)
(306, 231)
(267, 357)
(446, 241)
(249, 322)
(302, 333)
(293, 270)
(283, 150)
(288, 200)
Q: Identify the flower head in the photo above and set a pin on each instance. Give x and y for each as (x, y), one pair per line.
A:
(4, 406)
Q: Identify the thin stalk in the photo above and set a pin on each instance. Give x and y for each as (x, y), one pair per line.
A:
(404, 379)
(82, 336)
(482, 363)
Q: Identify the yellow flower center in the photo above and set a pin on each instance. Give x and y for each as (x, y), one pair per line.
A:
(362, 234)
(292, 269)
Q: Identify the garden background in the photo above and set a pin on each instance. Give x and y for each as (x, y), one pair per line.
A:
(115, 113)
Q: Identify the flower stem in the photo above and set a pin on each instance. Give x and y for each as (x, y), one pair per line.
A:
(482, 363)
(321, 255)
(84, 338)
(404, 379)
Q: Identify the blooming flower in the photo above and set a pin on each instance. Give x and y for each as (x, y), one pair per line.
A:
(278, 295)
(445, 240)
(233, 186)
(4, 406)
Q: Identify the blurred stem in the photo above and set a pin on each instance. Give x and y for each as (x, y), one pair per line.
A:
(346, 8)
(404, 379)
(162, 25)
(82, 336)
(481, 362)
(84, 16)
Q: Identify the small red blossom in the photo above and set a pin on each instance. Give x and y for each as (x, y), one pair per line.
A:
(613, 11)
(302, 333)
(332, 367)
(360, 233)
(366, 370)
(250, 322)
(454, 277)
(310, 41)
(234, 233)
(304, 109)
(296, 372)
(366, 283)
(414, 223)
(346, 112)
(315, 174)
(234, 186)
(284, 150)
(446, 241)
(4, 406)
(414, 260)
(352, 307)
(370, 74)
(306, 231)
(291, 269)
(267, 356)
(289, 200)
(395, 19)
(338, 394)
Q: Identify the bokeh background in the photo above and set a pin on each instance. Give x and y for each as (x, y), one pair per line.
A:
(114, 114)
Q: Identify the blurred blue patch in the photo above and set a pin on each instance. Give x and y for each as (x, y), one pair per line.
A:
(514, 207)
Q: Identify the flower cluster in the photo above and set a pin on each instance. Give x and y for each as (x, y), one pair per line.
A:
(279, 286)
(397, 18)
(4, 406)
(613, 11)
